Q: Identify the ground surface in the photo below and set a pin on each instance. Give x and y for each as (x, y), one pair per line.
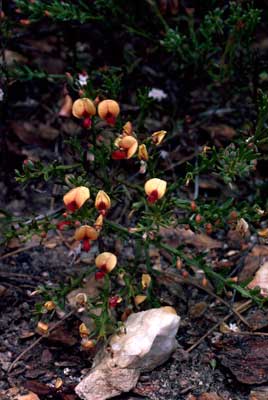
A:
(183, 374)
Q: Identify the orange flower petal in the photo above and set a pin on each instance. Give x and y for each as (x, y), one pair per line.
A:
(66, 108)
(128, 129)
(143, 153)
(145, 281)
(106, 261)
(77, 197)
(157, 185)
(130, 144)
(108, 108)
(139, 299)
(86, 232)
(83, 108)
(158, 137)
(103, 201)
(99, 223)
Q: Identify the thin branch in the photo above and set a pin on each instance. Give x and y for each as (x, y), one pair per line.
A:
(242, 307)
(21, 355)
(175, 278)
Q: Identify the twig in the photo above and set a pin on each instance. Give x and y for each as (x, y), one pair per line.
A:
(21, 250)
(174, 277)
(242, 307)
(38, 340)
(182, 161)
(249, 333)
(196, 181)
(43, 216)
(64, 240)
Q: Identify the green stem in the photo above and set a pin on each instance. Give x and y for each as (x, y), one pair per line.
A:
(189, 261)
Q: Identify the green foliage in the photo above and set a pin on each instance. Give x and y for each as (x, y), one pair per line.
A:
(24, 73)
(34, 170)
(236, 161)
(261, 130)
(111, 81)
(214, 44)
(58, 10)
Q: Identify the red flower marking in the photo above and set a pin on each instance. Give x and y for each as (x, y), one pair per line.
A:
(72, 206)
(119, 155)
(86, 245)
(113, 301)
(87, 123)
(110, 119)
(61, 225)
(100, 275)
(102, 208)
(153, 197)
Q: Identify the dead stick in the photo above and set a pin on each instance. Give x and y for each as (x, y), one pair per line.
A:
(38, 340)
(242, 307)
(250, 333)
(64, 240)
(22, 249)
(173, 277)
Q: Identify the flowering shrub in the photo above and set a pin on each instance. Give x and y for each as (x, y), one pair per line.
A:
(122, 181)
(119, 164)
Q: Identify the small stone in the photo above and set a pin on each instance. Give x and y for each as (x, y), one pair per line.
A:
(147, 341)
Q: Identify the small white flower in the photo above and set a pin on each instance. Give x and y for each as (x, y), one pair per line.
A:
(143, 167)
(233, 327)
(1, 95)
(82, 79)
(157, 94)
(163, 154)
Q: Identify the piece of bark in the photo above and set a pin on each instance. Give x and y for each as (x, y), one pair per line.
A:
(246, 357)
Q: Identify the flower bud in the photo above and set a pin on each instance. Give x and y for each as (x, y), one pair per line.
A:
(83, 330)
(62, 225)
(158, 137)
(142, 153)
(102, 202)
(25, 22)
(58, 383)
(193, 206)
(113, 301)
(198, 218)
(128, 129)
(179, 263)
(81, 299)
(66, 108)
(209, 228)
(42, 327)
(99, 223)
(87, 344)
(49, 305)
(145, 281)
(139, 299)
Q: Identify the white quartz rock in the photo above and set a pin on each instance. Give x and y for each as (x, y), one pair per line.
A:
(147, 340)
